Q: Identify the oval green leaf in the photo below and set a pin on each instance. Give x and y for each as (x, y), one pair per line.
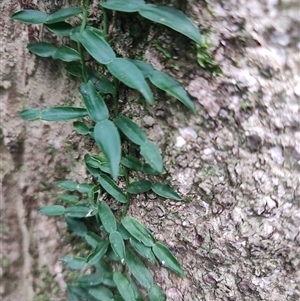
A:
(81, 128)
(77, 226)
(94, 103)
(96, 46)
(77, 211)
(138, 269)
(60, 29)
(52, 210)
(89, 280)
(30, 16)
(125, 234)
(75, 263)
(110, 187)
(30, 114)
(101, 293)
(166, 258)
(131, 130)
(93, 239)
(138, 231)
(172, 87)
(63, 113)
(130, 75)
(145, 68)
(68, 185)
(99, 252)
(143, 250)
(165, 191)
(139, 187)
(117, 244)
(107, 217)
(124, 6)
(123, 286)
(66, 54)
(132, 163)
(172, 18)
(68, 198)
(63, 14)
(111, 147)
(42, 49)
(151, 154)
(155, 293)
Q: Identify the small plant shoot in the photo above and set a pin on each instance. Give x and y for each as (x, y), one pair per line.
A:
(120, 246)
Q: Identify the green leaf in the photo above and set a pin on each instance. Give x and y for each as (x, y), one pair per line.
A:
(66, 54)
(94, 103)
(132, 163)
(84, 188)
(172, 87)
(96, 46)
(68, 198)
(60, 29)
(42, 49)
(52, 210)
(143, 250)
(166, 258)
(111, 147)
(117, 244)
(138, 231)
(137, 294)
(81, 128)
(99, 252)
(76, 293)
(139, 187)
(107, 217)
(75, 263)
(74, 68)
(92, 239)
(78, 211)
(165, 191)
(63, 14)
(30, 16)
(125, 234)
(131, 130)
(110, 186)
(30, 114)
(145, 68)
(68, 185)
(130, 75)
(151, 154)
(124, 287)
(77, 226)
(101, 293)
(155, 293)
(63, 113)
(90, 280)
(172, 18)
(138, 269)
(124, 6)
(147, 169)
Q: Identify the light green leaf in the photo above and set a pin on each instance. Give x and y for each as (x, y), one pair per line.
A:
(138, 231)
(111, 147)
(145, 68)
(92, 239)
(131, 130)
(155, 293)
(166, 258)
(30, 114)
(139, 187)
(81, 128)
(138, 269)
(172, 87)
(60, 29)
(110, 186)
(77, 211)
(66, 54)
(107, 217)
(99, 252)
(124, 6)
(63, 113)
(151, 154)
(84, 188)
(123, 286)
(75, 263)
(89, 280)
(42, 49)
(137, 294)
(77, 226)
(30, 16)
(63, 14)
(132, 163)
(96, 46)
(172, 18)
(94, 103)
(143, 250)
(68, 185)
(117, 244)
(125, 234)
(165, 191)
(68, 198)
(130, 75)
(101, 293)
(52, 210)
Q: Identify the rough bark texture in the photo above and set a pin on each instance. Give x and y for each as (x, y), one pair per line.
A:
(236, 161)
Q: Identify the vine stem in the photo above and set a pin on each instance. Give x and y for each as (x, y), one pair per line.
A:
(127, 195)
(105, 22)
